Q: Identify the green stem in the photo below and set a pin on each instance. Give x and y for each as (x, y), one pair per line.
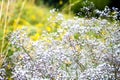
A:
(5, 25)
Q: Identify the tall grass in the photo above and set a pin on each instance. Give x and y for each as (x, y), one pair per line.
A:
(20, 13)
(5, 26)
(5, 12)
(4, 29)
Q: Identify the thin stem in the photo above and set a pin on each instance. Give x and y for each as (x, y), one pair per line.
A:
(5, 25)
(1, 9)
(19, 15)
(69, 7)
(5, 55)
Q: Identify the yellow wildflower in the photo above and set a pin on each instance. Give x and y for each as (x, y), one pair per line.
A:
(19, 27)
(39, 25)
(24, 22)
(48, 29)
(33, 17)
(35, 37)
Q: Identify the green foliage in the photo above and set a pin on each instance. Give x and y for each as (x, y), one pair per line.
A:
(76, 36)
(100, 4)
(53, 3)
(76, 5)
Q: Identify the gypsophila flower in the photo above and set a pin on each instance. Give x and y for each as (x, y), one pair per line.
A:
(88, 50)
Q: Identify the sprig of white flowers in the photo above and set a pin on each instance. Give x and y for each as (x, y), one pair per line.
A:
(89, 50)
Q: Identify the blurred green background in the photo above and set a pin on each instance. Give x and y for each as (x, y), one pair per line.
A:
(75, 5)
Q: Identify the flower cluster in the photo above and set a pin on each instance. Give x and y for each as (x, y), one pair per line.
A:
(2, 74)
(89, 50)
